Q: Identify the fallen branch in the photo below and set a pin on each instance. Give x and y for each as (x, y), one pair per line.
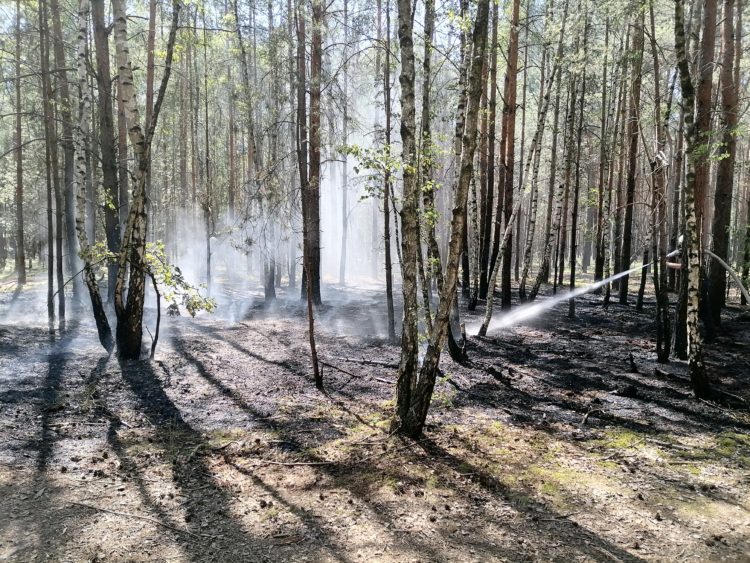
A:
(322, 363)
(366, 362)
(138, 517)
(352, 375)
(589, 413)
(292, 463)
(560, 517)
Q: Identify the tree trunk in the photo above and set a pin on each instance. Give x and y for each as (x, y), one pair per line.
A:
(632, 135)
(387, 187)
(81, 136)
(20, 244)
(412, 408)
(659, 204)
(313, 197)
(345, 140)
(407, 374)
(725, 167)
(107, 139)
(691, 244)
(577, 187)
(509, 158)
(432, 269)
(486, 225)
(67, 144)
(133, 250)
(50, 165)
(603, 160)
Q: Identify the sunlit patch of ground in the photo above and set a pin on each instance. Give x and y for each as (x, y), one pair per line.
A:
(545, 447)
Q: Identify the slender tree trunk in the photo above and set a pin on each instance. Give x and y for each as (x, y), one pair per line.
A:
(81, 136)
(107, 139)
(50, 149)
(313, 200)
(150, 41)
(54, 163)
(659, 205)
(65, 110)
(208, 200)
(725, 167)
(407, 374)
(432, 270)
(691, 242)
(509, 158)
(489, 202)
(345, 139)
(603, 160)
(569, 157)
(552, 199)
(632, 135)
(464, 51)
(387, 187)
(20, 244)
(577, 188)
(412, 416)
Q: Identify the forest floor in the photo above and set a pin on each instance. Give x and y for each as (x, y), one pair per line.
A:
(546, 445)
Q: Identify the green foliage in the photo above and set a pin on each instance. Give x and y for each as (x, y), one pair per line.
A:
(173, 286)
(374, 163)
(176, 290)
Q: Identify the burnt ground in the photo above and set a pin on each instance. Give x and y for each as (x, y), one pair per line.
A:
(547, 445)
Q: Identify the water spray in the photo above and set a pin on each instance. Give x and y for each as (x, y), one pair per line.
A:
(528, 311)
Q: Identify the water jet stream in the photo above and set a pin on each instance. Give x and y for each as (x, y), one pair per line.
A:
(533, 309)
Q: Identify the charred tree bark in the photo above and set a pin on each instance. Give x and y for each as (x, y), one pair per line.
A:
(312, 244)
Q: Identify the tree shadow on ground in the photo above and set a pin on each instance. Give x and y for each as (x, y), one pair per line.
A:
(351, 471)
(209, 505)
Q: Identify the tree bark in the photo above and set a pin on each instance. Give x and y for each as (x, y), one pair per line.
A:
(407, 374)
(20, 243)
(725, 167)
(50, 165)
(107, 140)
(691, 243)
(312, 245)
(65, 110)
(413, 414)
(81, 138)
(489, 201)
(632, 135)
(133, 249)
(577, 187)
(387, 186)
(659, 205)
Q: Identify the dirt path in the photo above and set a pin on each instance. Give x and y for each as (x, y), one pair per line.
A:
(546, 446)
